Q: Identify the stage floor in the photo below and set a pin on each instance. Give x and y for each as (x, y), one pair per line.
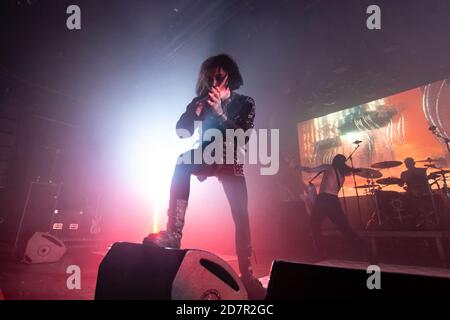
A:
(20, 281)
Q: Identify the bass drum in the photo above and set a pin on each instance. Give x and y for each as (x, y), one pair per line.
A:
(395, 211)
(442, 202)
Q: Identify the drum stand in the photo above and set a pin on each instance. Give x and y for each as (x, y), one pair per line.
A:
(375, 216)
(425, 218)
(444, 186)
(433, 202)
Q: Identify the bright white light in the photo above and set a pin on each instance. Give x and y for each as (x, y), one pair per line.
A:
(352, 136)
(150, 159)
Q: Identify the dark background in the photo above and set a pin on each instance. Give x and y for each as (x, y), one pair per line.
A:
(69, 95)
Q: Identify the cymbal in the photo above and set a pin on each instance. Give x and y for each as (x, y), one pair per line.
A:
(389, 181)
(367, 186)
(369, 173)
(386, 164)
(437, 174)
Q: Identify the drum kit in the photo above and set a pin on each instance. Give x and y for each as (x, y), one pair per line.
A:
(397, 210)
(372, 174)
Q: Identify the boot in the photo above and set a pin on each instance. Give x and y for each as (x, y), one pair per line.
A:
(254, 287)
(171, 237)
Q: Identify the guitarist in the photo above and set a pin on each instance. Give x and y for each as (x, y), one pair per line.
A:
(289, 179)
(327, 204)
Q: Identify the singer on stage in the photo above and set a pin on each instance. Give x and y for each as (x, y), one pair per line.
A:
(218, 106)
(327, 204)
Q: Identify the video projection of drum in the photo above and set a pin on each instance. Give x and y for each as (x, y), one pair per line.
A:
(391, 129)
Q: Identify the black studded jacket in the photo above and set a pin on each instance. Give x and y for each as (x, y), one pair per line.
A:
(240, 114)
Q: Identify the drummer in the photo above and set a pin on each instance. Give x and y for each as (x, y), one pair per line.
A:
(416, 179)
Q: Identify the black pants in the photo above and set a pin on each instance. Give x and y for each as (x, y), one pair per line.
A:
(328, 205)
(236, 192)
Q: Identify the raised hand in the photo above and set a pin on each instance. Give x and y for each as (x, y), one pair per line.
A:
(215, 100)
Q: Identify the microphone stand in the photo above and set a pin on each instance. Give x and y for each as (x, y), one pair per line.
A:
(350, 157)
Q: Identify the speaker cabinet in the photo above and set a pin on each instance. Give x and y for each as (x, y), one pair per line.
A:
(136, 271)
(289, 280)
(43, 248)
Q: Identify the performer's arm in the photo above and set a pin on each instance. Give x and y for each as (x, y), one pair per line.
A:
(191, 115)
(314, 169)
(246, 117)
(244, 120)
(403, 178)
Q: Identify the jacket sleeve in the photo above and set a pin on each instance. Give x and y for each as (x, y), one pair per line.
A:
(188, 118)
(246, 117)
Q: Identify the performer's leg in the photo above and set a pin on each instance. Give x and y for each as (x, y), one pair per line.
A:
(236, 191)
(179, 196)
(337, 216)
(317, 217)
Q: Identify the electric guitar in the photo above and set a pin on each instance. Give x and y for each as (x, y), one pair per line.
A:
(311, 193)
(310, 197)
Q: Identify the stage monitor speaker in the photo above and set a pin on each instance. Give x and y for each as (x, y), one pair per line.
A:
(142, 272)
(289, 280)
(43, 248)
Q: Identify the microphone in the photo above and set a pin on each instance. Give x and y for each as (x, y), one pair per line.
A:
(202, 99)
(357, 142)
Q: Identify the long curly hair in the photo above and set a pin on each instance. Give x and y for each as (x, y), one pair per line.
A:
(339, 163)
(224, 61)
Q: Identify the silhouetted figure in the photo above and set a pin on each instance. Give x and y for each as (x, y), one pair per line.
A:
(327, 204)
